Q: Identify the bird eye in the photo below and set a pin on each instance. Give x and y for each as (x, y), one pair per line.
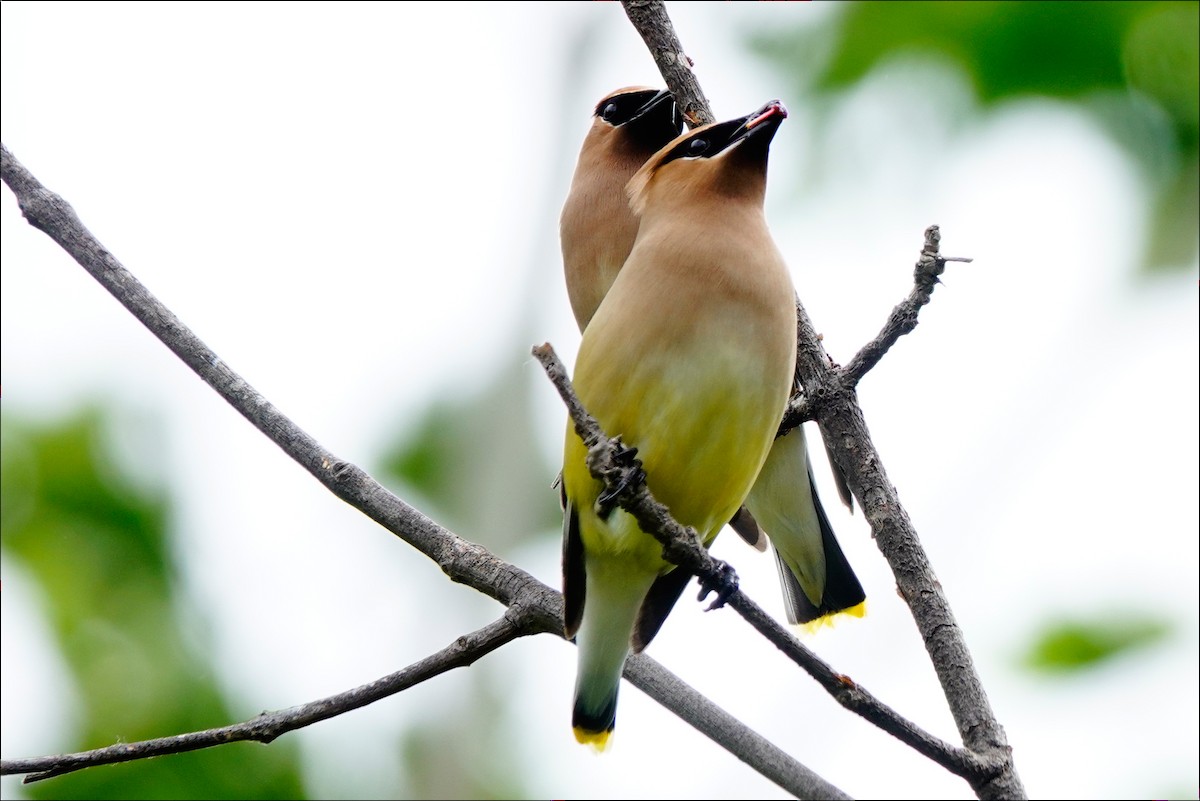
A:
(697, 146)
(609, 112)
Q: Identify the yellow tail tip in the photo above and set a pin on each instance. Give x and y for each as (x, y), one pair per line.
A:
(596, 739)
(858, 610)
(812, 626)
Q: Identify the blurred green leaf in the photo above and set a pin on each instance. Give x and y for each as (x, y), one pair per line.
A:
(468, 753)
(425, 460)
(1006, 48)
(1134, 67)
(97, 543)
(1162, 59)
(1181, 790)
(1074, 645)
(475, 459)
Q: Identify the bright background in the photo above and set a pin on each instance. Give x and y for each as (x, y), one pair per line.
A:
(356, 207)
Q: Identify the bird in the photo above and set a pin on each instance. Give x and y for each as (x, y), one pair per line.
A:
(689, 358)
(597, 229)
(817, 580)
(597, 226)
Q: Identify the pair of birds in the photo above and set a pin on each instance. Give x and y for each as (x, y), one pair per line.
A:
(688, 353)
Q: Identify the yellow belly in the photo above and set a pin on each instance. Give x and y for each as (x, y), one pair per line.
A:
(703, 424)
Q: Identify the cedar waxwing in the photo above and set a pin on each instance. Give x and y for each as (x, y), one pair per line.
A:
(597, 230)
(597, 226)
(816, 577)
(690, 359)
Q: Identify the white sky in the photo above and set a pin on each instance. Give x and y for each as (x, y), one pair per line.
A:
(356, 206)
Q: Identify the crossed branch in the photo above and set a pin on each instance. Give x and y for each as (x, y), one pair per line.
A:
(533, 608)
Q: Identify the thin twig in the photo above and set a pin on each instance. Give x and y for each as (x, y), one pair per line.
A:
(465, 562)
(903, 319)
(681, 546)
(642, 671)
(269, 725)
(606, 461)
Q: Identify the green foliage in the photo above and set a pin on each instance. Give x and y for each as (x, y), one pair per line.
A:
(1006, 48)
(467, 754)
(1133, 67)
(1074, 645)
(475, 460)
(98, 544)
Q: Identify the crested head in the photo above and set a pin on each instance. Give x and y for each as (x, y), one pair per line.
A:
(646, 116)
(721, 156)
(646, 91)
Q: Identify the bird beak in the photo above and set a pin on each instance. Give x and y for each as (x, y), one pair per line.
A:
(773, 112)
(655, 102)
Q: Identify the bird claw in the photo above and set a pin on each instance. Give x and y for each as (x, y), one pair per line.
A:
(725, 585)
(624, 455)
(632, 476)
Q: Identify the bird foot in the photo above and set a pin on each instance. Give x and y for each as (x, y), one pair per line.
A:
(631, 476)
(725, 585)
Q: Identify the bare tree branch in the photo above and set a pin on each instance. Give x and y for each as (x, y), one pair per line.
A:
(650, 19)
(642, 671)
(463, 561)
(849, 442)
(727, 731)
(903, 319)
(266, 727)
(537, 606)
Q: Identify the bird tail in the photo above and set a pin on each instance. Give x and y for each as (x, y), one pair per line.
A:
(614, 596)
(815, 575)
(842, 593)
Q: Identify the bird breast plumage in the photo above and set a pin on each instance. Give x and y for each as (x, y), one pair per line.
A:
(702, 403)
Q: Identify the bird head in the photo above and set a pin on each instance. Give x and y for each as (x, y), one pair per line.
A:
(723, 157)
(642, 116)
